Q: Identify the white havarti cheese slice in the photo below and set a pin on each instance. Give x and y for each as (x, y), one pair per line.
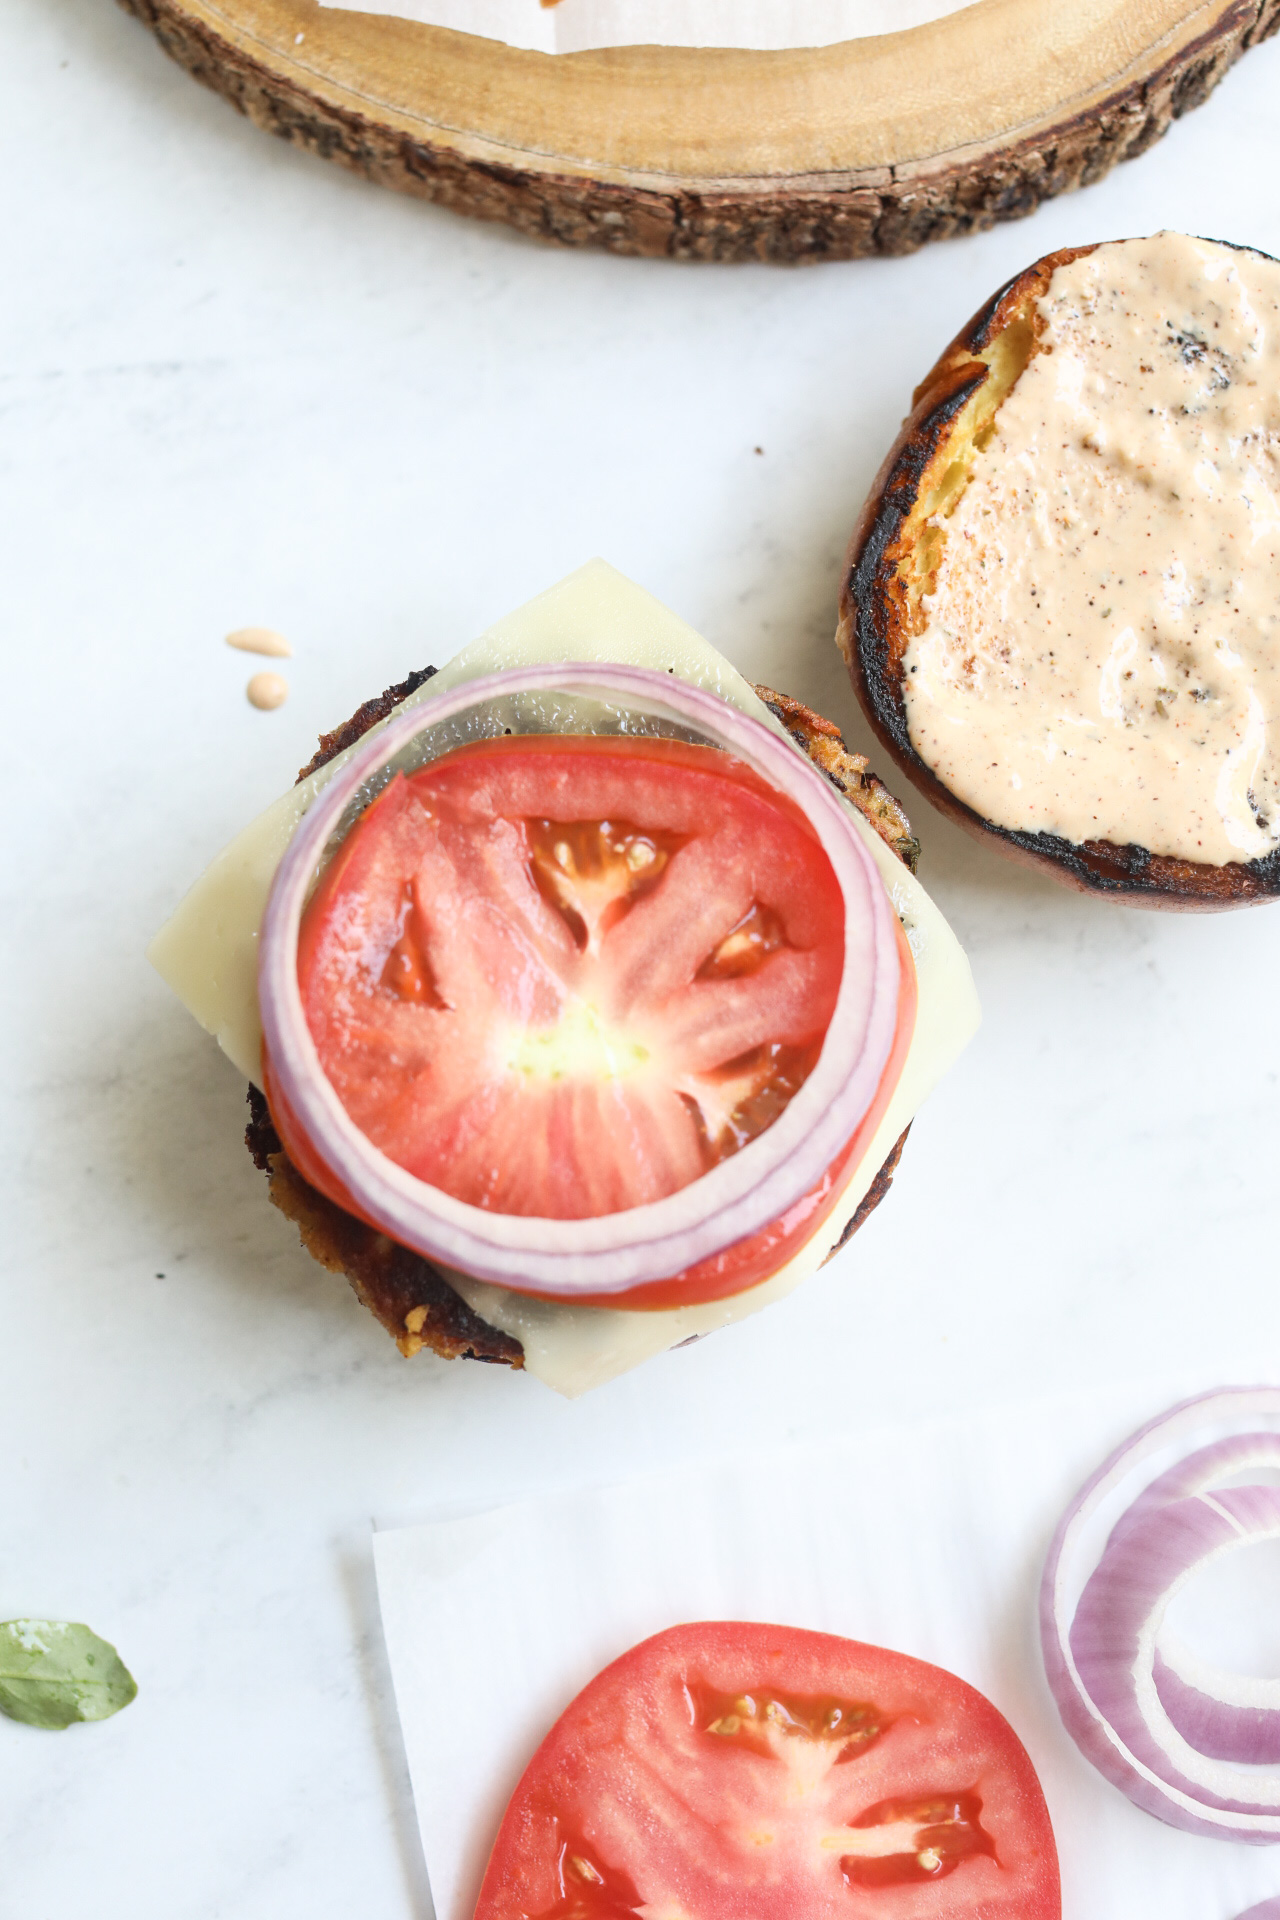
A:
(208, 954)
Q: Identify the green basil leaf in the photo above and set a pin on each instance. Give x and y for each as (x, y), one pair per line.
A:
(54, 1672)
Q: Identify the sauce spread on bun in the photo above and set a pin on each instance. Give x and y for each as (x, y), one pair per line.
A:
(1099, 657)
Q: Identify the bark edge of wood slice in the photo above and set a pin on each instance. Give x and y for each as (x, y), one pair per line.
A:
(870, 147)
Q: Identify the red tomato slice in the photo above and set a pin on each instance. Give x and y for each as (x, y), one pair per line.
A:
(749, 1261)
(743, 1265)
(564, 976)
(723, 1771)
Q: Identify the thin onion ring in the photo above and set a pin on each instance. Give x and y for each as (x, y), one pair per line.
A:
(611, 1253)
(1181, 1738)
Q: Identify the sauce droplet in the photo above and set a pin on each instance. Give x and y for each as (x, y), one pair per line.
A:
(267, 690)
(260, 640)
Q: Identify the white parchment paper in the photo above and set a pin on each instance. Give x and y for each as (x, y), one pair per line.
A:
(576, 26)
(929, 1539)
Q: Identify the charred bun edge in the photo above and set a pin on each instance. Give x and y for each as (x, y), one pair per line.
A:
(411, 1298)
(876, 613)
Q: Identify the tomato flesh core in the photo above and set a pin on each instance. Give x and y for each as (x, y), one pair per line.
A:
(835, 1780)
(922, 1840)
(566, 976)
(589, 1891)
(761, 1254)
(624, 953)
(760, 1720)
(907, 1841)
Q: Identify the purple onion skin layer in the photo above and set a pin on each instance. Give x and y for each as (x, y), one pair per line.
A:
(1194, 1475)
(1248, 1736)
(1245, 1736)
(1206, 1468)
(1131, 1580)
(1265, 1910)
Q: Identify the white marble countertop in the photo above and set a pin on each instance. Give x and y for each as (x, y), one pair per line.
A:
(239, 387)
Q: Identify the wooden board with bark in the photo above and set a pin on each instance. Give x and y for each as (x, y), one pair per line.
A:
(873, 146)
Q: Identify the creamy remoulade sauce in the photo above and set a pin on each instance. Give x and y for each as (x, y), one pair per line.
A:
(1101, 654)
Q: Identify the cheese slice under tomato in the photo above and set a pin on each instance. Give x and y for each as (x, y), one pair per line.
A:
(207, 953)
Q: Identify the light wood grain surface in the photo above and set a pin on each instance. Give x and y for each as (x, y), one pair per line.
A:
(872, 146)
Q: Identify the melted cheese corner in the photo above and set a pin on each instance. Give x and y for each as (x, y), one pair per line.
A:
(208, 951)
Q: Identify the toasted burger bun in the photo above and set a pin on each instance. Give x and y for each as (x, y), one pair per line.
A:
(414, 1302)
(889, 568)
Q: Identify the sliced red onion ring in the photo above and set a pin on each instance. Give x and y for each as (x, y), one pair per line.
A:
(1206, 1704)
(1265, 1910)
(1203, 1702)
(742, 1194)
(1184, 1739)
